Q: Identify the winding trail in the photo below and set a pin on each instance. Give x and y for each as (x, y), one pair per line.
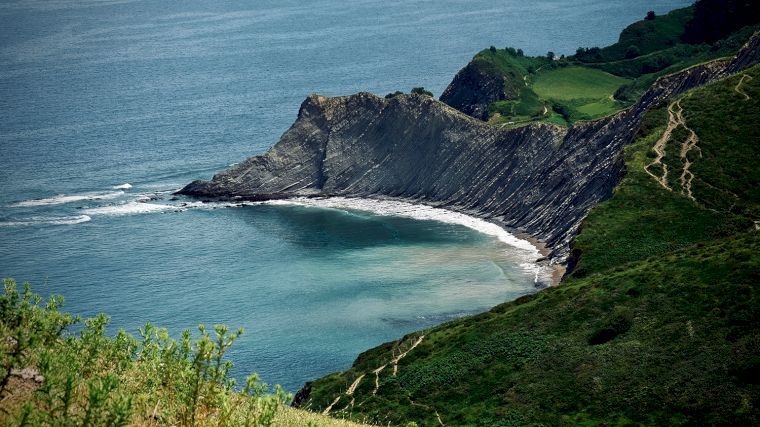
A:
(691, 142)
(395, 361)
(329, 408)
(352, 388)
(377, 378)
(659, 149)
(738, 85)
(675, 119)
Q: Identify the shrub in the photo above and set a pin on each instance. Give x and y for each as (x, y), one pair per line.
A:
(632, 52)
(93, 379)
(617, 323)
(422, 91)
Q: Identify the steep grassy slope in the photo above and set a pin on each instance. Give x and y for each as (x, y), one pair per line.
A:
(639, 222)
(657, 326)
(642, 37)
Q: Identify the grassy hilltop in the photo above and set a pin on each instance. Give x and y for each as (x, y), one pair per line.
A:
(656, 326)
(596, 82)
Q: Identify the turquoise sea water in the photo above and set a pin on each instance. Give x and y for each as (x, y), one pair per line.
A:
(97, 94)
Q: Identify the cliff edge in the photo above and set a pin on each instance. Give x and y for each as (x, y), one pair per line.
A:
(540, 179)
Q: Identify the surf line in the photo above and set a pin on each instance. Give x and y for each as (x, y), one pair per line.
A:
(528, 251)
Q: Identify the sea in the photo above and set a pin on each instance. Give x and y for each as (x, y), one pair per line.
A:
(109, 106)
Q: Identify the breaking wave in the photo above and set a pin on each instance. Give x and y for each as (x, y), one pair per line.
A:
(62, 198)
(39, 220)
(130, 208)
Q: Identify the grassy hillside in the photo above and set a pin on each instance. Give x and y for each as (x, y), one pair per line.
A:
(544, 89)
(49, 377)
(657, 326)
(597, 82)
(642, 37)
(639, 222)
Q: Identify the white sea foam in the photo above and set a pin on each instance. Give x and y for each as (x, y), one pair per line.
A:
(524, 256)
(62, 198)
(125, 186)
(130, 208)
(410, 210)
(38, 220)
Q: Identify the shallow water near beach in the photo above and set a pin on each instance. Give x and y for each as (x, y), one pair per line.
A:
(110, 106)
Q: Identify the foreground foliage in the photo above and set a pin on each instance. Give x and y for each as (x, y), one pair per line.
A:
(52, 377)
(658, 325)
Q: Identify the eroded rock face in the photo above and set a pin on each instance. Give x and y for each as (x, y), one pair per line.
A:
(474, 89)
(539, 179)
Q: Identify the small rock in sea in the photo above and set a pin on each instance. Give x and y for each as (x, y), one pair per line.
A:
(173, 199)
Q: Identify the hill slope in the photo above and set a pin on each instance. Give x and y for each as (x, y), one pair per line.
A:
(658, 325)
(508, 89)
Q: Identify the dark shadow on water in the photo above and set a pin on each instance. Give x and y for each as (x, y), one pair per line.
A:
(324, 228)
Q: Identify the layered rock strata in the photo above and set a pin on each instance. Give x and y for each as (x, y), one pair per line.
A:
(539, 179)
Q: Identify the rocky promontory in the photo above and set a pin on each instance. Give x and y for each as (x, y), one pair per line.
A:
(540, 179)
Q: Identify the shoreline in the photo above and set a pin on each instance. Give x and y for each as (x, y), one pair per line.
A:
(547, 273)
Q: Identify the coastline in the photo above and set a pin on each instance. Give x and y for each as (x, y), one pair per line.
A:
(535, 253)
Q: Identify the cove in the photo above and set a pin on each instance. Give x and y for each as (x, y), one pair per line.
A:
(312, 285)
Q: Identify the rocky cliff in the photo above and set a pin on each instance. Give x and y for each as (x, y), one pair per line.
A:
(474, 88)
(539, 179)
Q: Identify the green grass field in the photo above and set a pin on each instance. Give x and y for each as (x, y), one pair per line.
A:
(598, 82)
(570, 83)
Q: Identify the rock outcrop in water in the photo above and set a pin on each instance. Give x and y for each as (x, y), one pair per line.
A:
(540, 179)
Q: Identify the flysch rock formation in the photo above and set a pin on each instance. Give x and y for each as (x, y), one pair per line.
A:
(474, 89)
(539, 179)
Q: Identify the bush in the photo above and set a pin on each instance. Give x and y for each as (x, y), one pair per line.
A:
(618, 323)
(93, 379)
(632, 52)
(422, 91)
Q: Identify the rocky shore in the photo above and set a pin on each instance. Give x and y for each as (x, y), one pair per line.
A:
(539, 180)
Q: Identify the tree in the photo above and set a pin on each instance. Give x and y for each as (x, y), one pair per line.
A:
(520, 52)
(632, 52)
(421, 91)
(492, 49)
(650, 16)
(394, 94)
(550, 56)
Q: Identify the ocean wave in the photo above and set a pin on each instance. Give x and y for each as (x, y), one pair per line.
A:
(414, 211)
(62, 198)
(130, 208)
(38, 220)
(125, 186)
